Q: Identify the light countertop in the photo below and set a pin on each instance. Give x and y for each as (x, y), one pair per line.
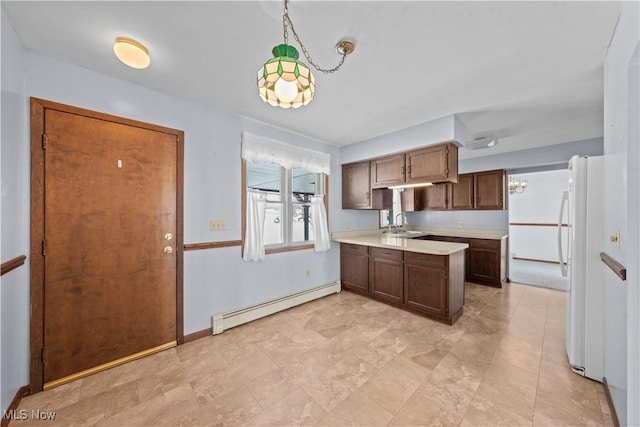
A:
(379, 239)
(470, 233)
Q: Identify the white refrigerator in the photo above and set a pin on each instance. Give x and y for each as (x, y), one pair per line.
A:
(580, 263)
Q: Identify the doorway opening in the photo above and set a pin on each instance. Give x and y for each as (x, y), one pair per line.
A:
(534, 211)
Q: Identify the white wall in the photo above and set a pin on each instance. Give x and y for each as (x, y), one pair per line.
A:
(621, 181)
(539, 203)
(14, 295)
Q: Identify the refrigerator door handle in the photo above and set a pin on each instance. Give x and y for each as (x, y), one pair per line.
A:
(563, 265)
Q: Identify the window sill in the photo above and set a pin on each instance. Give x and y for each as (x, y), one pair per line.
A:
(287, 248)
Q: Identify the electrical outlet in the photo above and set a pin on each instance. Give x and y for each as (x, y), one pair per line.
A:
(307, 273)
(217, 225)
(460, 224)
(348, 226)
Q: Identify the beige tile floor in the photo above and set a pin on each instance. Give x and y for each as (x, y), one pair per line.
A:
(348, 360)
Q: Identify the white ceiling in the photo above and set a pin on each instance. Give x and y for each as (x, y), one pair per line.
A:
(527, 72)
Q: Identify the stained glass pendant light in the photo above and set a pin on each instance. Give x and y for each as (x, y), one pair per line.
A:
(284, 81)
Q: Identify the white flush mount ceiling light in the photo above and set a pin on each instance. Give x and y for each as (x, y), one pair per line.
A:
(285, 82)
(481, 142)
(131, 53)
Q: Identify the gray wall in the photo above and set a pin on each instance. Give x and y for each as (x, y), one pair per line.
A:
(558, 154)
(14, 299)
(448, 128)
(215, 280)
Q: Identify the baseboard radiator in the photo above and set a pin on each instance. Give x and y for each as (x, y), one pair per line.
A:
(224, 321)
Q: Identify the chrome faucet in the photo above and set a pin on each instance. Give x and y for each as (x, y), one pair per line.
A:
(395, 221)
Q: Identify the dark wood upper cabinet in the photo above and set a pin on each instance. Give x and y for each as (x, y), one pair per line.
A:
(356, 189)
(473, 191)
(462, 193)
(356, 186)
(387, 171)
(437, 197)
(362, 182)
(413, 199)
(437, 163)
(489, 189)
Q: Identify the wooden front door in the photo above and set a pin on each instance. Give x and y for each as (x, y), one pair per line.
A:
(111, 235)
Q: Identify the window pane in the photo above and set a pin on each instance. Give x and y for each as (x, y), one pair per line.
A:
(267, 177)
(302, 228)
(289, 191)
(273, 223)
(303, 186)
(303, 181)
(263, 176)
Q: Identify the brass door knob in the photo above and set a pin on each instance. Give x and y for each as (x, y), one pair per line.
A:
(168, 250)
(168, 236)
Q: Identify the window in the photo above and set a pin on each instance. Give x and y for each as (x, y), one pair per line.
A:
(288, 197)
(287, 178)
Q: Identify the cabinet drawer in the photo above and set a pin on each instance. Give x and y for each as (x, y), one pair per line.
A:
(485, 244)
(390, 254)
(354, 249)
(427, 260)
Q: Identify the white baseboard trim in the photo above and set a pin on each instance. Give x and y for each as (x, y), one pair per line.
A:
(223, 321)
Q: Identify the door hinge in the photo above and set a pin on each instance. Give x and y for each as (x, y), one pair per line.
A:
(44, 141)
(44, 248)
(43, 355)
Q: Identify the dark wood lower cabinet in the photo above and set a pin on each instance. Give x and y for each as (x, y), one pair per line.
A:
(432, 285)
(487, 261)
(386, 274)
(354, 267)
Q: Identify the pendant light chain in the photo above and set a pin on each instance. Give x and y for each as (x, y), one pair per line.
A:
(286, 21)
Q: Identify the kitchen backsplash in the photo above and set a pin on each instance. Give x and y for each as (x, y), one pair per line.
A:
(485, 220)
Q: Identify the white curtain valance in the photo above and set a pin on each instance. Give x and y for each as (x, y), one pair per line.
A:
(260, 149)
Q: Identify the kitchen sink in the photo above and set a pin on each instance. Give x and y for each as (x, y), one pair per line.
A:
(425, 237)
(404, 233)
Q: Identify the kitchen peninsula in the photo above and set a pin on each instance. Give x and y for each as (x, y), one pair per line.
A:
(424, 276)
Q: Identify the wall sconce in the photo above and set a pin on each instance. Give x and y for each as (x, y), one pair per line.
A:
(517, 186)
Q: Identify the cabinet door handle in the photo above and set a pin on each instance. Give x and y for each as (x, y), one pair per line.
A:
(402, 170)
(366, 195)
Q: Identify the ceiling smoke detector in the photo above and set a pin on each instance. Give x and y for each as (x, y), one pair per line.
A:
(481, 142)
